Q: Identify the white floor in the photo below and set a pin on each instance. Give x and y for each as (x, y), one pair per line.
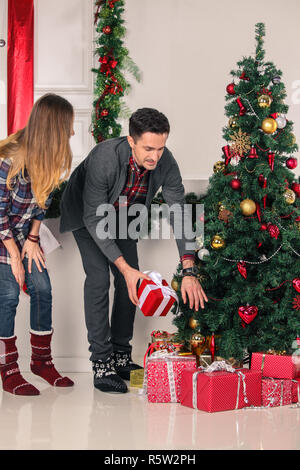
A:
(85, 418)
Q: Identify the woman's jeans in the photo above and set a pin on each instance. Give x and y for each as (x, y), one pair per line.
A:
(39, 289)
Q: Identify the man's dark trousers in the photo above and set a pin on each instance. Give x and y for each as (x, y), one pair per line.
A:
(105, 337)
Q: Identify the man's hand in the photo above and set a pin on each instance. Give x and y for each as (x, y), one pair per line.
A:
(191, 288)
(131, 277)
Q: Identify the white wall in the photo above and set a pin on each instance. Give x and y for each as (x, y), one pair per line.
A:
(185, 50)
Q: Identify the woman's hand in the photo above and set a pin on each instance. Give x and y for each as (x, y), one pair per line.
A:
(191, 287)
(34, 252)
(18, 270)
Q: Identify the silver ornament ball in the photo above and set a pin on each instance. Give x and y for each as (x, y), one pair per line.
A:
(203, 252)
(276, 79)
(281, 122)
(2, 43)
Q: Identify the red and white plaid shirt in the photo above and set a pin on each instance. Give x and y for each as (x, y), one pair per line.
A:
(18, 208)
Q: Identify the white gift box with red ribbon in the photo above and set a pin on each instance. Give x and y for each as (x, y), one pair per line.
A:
(156, 297)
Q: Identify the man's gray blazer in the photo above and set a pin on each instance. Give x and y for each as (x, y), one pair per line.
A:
(100, 178)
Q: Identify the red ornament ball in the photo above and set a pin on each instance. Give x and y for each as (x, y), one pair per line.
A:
(235, 183)
(230, 89)
(296, 188)
(291, 163)
(104, 112)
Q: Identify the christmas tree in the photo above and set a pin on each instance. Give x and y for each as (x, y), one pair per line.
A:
(248, 260)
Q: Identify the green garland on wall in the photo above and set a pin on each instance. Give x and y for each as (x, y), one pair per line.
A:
(110, 84)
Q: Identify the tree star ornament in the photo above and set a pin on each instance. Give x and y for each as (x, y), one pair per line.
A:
(241, 142)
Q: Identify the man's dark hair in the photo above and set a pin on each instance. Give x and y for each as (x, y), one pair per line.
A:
(147, 120)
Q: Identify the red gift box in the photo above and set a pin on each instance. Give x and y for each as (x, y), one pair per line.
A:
(296, 391)
(163, 376)
(275, 366)
(276, 392)
(156, 297)
(220, 390)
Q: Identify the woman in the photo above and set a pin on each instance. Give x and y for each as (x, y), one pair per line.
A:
(33, 162)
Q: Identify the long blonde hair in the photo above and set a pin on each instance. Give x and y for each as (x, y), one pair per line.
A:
(42, 147)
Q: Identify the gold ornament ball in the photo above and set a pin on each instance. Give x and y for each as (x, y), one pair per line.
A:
(198, 343)
(198, 338)
(175, 285)
(292, 139)
(219, 166)
(269, 125)
(233, 123)
(217, 242)
(264, 101)
(193, 323)
(248, 207)
(289, 196)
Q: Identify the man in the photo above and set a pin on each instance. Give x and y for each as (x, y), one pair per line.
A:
(132, 167)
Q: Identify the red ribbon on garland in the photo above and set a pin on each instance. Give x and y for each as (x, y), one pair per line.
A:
(20, 55)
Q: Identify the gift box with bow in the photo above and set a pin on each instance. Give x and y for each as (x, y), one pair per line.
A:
(276, 392)
(220, 387)
(162, 380)
(274, 365)
(156, 297)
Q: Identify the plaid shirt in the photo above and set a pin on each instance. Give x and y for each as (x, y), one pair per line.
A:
(136, 188)
(18, 208)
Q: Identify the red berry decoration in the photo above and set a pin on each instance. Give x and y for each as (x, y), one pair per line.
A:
(104, 112)
(230, 89)
(263, 227)
(235, 183)
(291, 163)
(106, 29)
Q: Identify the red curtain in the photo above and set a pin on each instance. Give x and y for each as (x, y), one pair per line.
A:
(19, 63)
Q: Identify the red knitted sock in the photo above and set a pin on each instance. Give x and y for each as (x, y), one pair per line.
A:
(12, 380)
(41, 361)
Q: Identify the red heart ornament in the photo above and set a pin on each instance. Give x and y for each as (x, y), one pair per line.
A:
(247, 314)
(296, 284)
(242, 269)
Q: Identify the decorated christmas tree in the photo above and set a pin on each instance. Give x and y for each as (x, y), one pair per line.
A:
(248, 260)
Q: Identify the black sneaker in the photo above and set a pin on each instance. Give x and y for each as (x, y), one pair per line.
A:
(123, 364)
(106, 378)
